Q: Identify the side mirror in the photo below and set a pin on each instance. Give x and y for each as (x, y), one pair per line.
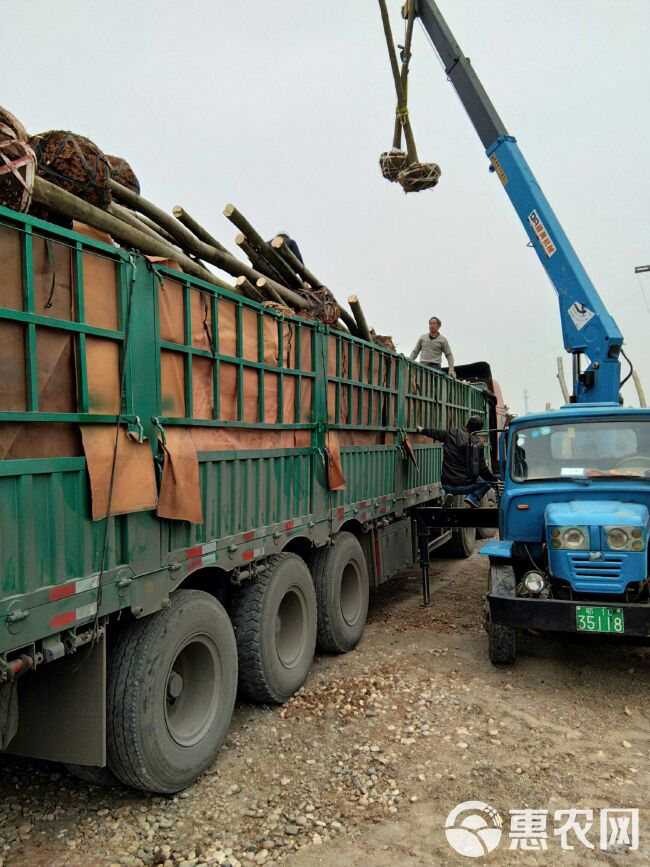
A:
(503, 451)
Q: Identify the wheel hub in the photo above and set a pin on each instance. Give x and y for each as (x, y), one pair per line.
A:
(193, 690)
(174, 685)
(290, 627)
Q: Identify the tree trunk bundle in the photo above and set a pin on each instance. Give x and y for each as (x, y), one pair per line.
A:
(72, 179)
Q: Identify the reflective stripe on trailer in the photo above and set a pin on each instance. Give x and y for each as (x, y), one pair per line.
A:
(253, 554)
(202, 555)
(69, 618)
(71, 588)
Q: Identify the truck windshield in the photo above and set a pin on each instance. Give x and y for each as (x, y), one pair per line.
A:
(582, 450)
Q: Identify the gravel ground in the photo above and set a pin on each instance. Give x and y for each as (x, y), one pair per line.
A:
(368, 759)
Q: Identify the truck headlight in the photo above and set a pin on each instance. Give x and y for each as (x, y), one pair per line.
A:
(617, 537)
(624, 538)
(534, 582)
(574, 538)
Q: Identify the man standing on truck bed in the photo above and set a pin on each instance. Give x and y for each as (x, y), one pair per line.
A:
(430, 347)
(456, 473)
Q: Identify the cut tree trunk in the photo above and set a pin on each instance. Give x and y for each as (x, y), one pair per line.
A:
(264, 286)
(350, 323)
(226, 261)
(359, 318)
(399, 90)
(63, 202)
(134, 220)
(279, 244)
(264, 249)
(196, 228)
(256, 259)
(404, 74)
(249, 290)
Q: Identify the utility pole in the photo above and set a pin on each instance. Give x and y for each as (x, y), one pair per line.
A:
(526, 396)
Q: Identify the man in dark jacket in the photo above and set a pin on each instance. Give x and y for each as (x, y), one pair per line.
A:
(456, 473)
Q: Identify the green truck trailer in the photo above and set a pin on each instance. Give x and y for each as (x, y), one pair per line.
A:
(195, 491)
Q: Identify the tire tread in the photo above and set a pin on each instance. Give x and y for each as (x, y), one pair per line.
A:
(247, 614)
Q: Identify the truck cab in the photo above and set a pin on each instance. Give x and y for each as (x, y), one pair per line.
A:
(574, 520)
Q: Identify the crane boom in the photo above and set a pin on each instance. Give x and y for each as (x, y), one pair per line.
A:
(587, 327)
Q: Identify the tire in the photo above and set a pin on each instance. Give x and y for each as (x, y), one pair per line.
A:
(340, 577)
(94, 775)
(502, 640)
(489, 501)
(462, 542)
(502, 644)
(172, 683)
(274, 616)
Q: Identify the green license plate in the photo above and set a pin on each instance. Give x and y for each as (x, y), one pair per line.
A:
(599, 619)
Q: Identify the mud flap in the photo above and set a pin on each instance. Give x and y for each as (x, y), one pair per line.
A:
(8, 714)
(63, 709)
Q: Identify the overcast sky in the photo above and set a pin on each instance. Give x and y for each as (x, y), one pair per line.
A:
(283, 107)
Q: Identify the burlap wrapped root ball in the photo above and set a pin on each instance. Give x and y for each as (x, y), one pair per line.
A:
(419, 176)
(391, 163)
(17, 164)
(8, 119)
(74, 163)
(122, 173)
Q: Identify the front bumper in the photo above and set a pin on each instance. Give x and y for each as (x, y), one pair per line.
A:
(557, 615)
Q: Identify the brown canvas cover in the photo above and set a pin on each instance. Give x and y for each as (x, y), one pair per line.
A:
(180, 495)
(55, 348)
(335, 477)
(180, 491)
(134, 485)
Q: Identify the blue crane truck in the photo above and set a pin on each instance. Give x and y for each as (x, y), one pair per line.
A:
(572, 553)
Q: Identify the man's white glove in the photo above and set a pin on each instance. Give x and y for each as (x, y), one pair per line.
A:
(452, 373)
(418, 428)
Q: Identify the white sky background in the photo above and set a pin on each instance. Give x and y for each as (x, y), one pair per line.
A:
(283, 107)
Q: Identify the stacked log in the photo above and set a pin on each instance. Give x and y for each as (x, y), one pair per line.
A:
(62, 176)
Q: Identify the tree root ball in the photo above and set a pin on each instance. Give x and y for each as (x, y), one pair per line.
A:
(322, 305)
(17, 172)
(75, 164)
(7, 119)
(123, 174)
(391, 163)
(419, 176)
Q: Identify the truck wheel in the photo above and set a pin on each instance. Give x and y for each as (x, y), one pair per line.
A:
(489, 501)
(274, 616)
(502, 643)
(502, 640)
(172, 683)
(463, 539)
(94, 775)
(342, 591)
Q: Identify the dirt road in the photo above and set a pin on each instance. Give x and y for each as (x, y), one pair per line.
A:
(365, 764)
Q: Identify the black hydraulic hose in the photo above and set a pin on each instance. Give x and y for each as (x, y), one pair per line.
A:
(631, 368)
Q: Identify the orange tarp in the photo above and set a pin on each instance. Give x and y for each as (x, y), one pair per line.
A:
(180, 492)
(134, 483)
